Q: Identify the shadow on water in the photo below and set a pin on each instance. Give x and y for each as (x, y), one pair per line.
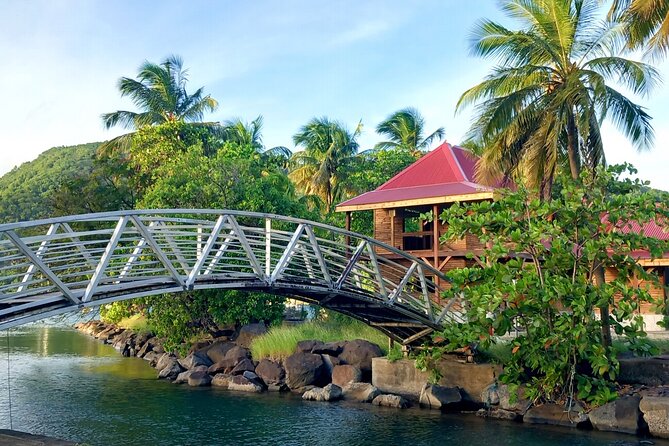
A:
(67, 385)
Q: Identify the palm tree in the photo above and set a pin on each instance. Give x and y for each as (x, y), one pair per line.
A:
(542, 107)
(250, 134)
(647, 23)
(322, 167)
(160, 93)
(405, 129)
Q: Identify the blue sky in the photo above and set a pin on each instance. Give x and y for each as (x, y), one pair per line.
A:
(289, 60)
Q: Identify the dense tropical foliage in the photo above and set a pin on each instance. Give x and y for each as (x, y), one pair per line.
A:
(29, 191)
(538, 118)
(549, 296)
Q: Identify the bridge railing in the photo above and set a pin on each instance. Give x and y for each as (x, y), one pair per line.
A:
(51, 266)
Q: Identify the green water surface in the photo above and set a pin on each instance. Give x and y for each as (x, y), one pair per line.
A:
(67, 385)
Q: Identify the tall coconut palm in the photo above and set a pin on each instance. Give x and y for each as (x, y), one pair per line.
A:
(250, 134)
(160, 93)
(543, 105)
(322, 167)
(405, 129)
(647, 24)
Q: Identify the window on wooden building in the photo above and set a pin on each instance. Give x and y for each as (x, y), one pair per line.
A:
(416, 233)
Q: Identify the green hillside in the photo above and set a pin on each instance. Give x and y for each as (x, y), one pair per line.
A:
(25, 190)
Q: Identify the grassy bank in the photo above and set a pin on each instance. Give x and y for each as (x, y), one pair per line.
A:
(280, 342)
(136, 322)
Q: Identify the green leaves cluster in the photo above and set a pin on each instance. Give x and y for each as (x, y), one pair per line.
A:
(542, 282)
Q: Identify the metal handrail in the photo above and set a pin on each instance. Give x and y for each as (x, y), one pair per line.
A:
(56, 265)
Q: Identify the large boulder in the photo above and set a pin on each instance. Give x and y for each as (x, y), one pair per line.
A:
(621, 415)
(221, 380)
(245, 365)
(142, 338)
(182, 378)
(217, 351)
(150, 356)
(237, 353)
(330, 362)
(223, 366)
(145, 348)
(513, 400)
(242, 384)
(193, 360)
(389, 400)
(271, 372)
(656, 414)
(305, 369)
(171, 371)
(557, 414)
(360, 353)
(164, 360)
(649, 371)
(499, 414)
(255, 379)
(248, 332)
(344, 374)
(438, 397)
(308, 346)
(199, 379)
(200, 347)
(360, 392)
(329, 348)
(330, 392)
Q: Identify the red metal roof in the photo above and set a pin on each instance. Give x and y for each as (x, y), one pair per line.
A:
(445, 171)
(649, 229)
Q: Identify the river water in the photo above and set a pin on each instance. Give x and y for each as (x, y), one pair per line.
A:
(67, 385)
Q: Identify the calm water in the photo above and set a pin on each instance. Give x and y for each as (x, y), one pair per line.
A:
(67, 385)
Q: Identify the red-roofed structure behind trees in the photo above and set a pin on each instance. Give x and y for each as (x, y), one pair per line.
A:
(437, 180)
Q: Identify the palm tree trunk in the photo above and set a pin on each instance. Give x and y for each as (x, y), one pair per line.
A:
(572, 148)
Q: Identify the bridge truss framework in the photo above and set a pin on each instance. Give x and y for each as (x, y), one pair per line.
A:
(50, 267)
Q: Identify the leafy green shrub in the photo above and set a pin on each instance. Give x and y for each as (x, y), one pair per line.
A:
(395, 353)
(551, 292)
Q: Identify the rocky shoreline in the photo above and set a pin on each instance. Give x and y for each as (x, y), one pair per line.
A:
(318, 371)
(355, 371)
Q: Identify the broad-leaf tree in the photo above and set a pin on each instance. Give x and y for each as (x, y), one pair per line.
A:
(548, 296)
(405, 130)
(543, 105)
(323, 166)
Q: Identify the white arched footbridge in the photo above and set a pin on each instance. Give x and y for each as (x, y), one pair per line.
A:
(49, 267)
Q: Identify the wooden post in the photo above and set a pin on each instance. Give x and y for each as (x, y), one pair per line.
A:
(435, 234)
(391, 213)
(348, 237)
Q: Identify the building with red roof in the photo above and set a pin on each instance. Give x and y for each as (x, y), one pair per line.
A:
(439, 178)
(444, 176)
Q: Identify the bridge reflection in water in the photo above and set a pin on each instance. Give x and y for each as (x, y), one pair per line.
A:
(49, 267)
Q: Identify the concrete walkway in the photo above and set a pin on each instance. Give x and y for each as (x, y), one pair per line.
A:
(16, 438)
